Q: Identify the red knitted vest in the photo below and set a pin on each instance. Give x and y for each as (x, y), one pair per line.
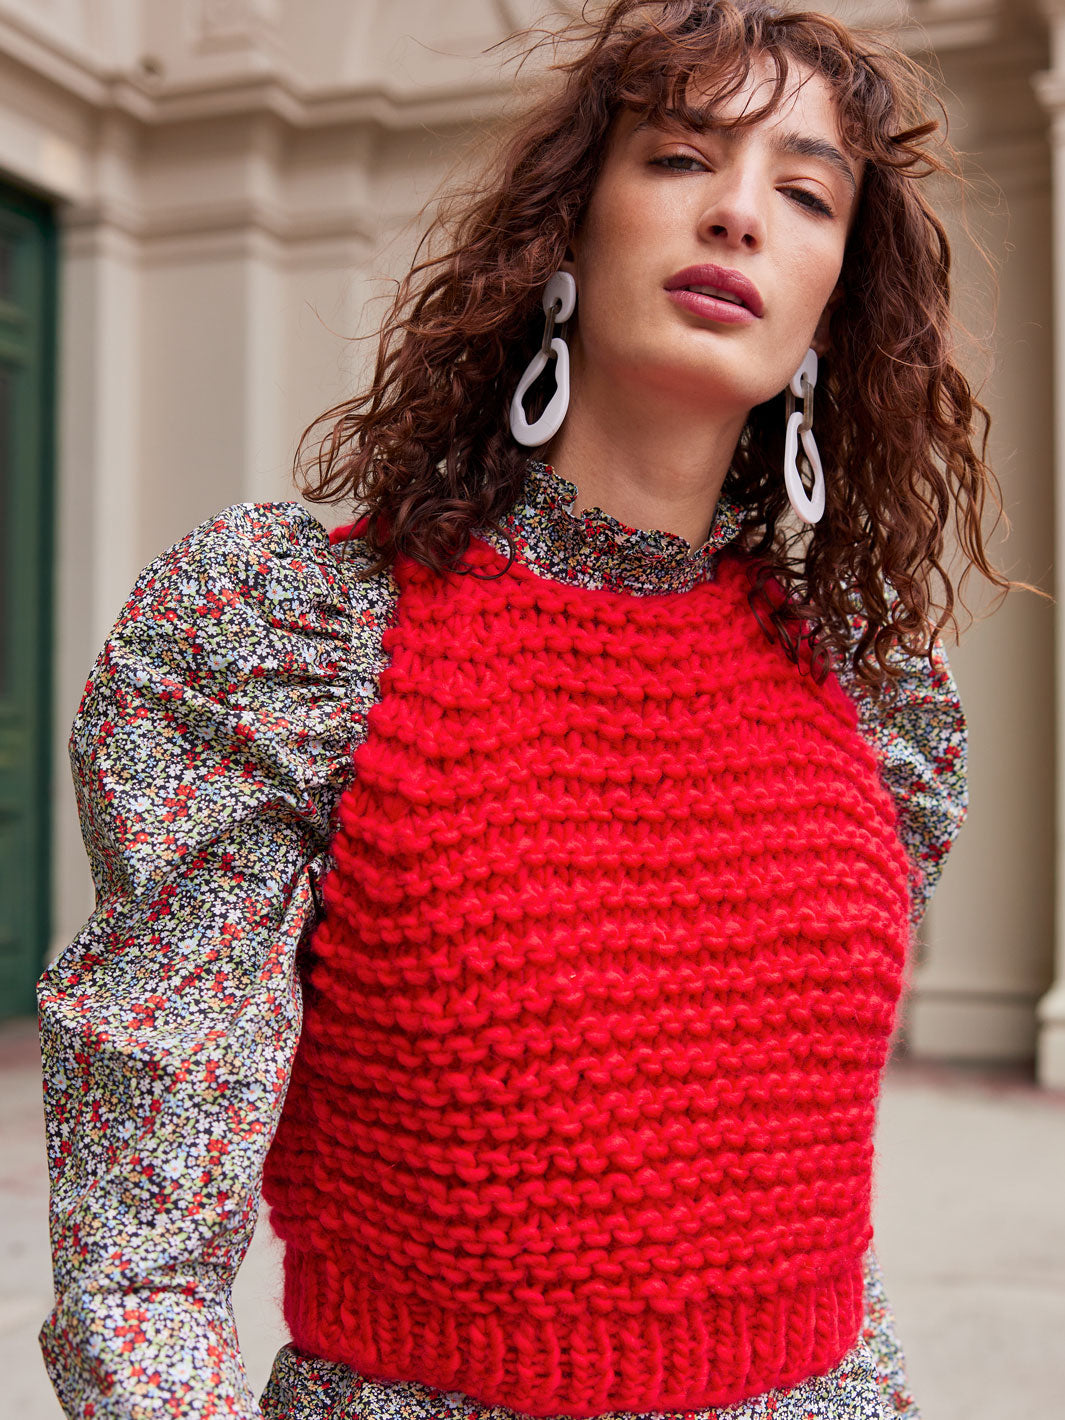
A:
(582, 1114)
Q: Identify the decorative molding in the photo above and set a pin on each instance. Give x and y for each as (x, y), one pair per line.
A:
(921, 25)
(237, 19)
(249, 94)
(942, 25)
(183, 225)
(1050, 1051)
(237, 25)
(943, 36)
(101, 239)
(49, 59)
(150, 100)
(238, 244)
(968, 1028)
(1016, 165)
(1049, 87)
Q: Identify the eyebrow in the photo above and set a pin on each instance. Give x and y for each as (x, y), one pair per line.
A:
(799, 145)
(804, 145)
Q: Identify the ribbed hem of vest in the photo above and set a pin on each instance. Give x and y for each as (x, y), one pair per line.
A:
(716, 1352)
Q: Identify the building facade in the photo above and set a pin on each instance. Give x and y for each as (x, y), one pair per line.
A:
(202, 203)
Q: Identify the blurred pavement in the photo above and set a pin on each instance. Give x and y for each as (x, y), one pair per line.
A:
(970, 1219)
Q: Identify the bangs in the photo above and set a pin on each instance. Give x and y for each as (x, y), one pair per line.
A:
(685, 70)
(661, 86)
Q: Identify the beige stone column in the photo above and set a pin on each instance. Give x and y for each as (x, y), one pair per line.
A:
(99, 492)
(1050, 87)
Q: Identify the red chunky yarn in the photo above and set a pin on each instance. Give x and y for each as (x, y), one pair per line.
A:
(582, 1115)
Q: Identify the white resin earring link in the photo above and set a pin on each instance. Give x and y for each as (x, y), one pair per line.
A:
(808, 506)
(559, 302)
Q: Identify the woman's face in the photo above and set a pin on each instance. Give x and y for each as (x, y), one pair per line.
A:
(766, 208)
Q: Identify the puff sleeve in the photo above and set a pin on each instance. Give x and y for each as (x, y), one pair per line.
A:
(921, 740)
(212, 741)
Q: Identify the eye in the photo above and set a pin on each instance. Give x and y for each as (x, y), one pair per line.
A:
(808, 199)
(668, 158)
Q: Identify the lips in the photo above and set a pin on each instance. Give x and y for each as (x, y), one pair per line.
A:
(721, 281)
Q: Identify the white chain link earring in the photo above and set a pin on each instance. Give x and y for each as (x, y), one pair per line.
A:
(808, 506)
(559, 302)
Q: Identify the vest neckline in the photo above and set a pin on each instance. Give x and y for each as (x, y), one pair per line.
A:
(593, 549)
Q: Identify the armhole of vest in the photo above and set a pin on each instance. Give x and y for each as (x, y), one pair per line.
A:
(834, 686)
(368, 634)
(347, 531)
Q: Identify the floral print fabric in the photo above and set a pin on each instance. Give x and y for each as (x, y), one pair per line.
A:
(209, 751)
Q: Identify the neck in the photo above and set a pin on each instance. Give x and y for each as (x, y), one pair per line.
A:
(646, 461)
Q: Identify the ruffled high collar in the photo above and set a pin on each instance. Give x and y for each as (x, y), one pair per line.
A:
(593, 549)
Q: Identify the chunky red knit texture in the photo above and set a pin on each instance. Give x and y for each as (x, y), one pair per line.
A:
(582, 1115)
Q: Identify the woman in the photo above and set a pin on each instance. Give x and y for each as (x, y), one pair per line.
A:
(626, 764)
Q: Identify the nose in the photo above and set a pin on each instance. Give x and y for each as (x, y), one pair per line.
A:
(735, 213)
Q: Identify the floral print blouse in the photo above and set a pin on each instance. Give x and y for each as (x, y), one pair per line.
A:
(211, 746)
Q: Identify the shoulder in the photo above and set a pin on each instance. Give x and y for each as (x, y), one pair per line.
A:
(919, 727)
(251, 605)
(271, 562)
(925, 684)
(240, 547)
(921, 716)
(247, 631)
(920, 736)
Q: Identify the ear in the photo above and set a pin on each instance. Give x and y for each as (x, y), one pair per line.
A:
(569, 262)
(821, 341)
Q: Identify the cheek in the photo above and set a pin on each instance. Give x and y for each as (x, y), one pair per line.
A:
(809, 278)
(611, 265)
(626, 224)
(607, 246)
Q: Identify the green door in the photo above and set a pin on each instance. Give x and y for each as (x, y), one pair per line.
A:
(27, 363)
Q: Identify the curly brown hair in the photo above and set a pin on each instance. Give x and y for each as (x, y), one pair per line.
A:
(427, 452)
